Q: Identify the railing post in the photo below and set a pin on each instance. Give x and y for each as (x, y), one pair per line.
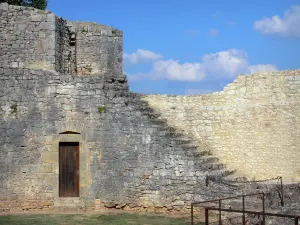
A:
(263, 202)
(296, 221)
(206, 217)
(220, 215)
(281, 187)
(192, 214)
(244, 219)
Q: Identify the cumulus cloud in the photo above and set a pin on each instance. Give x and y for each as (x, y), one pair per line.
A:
(173, 70)
(141, 56)
(262, 68)
(287, 26)
(223, 64)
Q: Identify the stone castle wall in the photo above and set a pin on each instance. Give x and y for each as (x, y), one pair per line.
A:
(63, 48)
(146, 152)
(37, 39)
(252, 126)
(128, 157)
(99, 48)
(27, 37)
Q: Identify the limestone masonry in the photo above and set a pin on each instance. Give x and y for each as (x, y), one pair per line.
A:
(37, 39)
(62, 84)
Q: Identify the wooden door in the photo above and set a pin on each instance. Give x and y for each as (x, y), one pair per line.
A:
(69, 169)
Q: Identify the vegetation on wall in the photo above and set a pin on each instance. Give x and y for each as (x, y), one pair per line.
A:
(84, 30)
(14, 109)
(39, 4)
(102, 109)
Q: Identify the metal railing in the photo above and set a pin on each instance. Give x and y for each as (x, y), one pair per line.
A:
(279, 178)
(264, 214)
(243, 211)
(220, 205)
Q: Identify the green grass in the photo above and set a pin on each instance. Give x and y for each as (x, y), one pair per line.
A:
(108, 219)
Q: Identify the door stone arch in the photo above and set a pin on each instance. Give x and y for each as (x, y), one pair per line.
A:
(73, 134)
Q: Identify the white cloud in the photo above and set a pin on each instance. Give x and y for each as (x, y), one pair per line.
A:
(213, 32)
(223, 64)
(173, 70)
(262, 68)
(287, 26)
(141, 56)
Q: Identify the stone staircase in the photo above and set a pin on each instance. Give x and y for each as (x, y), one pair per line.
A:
(207, 164)
(204, 162)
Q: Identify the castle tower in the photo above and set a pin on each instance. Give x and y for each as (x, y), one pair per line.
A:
(37, 39)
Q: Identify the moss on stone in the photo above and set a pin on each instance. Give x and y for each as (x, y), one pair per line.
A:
(14, 109)
(102, 109)
(83, 30)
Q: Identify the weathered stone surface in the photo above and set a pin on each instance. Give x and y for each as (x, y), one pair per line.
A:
(37, 39)
(133, 158)
(137, 152)
(252, 126)
(4, 6)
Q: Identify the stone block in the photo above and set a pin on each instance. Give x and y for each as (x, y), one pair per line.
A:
(37, 18)
(14, 64)
(4, 6)
(47, 26)
(47, 168)
(50, 157)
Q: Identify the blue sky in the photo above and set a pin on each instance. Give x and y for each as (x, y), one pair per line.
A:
(195, 46)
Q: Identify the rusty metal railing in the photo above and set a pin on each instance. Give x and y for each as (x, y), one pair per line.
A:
(228, 198)
(264, 214)
(279, 178)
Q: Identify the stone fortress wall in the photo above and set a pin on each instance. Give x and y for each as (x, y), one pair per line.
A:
(37, 39)
(142, 152)
(128, 157)
(252, 126)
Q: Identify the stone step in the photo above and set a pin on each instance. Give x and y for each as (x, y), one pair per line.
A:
(214, 166)
(192, 144)
(208, 159)
(161, 122)
(181, 141)
(151, 115)
(199, 153)
(220, 173)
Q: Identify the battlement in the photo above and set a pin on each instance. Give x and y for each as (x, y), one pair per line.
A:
(37, 39)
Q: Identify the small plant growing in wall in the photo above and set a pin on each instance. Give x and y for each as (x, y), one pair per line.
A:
(102, 109)
(84, 30)
(14, 109)
(114, 30)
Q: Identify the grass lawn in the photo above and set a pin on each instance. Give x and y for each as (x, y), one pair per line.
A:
(78, 219)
